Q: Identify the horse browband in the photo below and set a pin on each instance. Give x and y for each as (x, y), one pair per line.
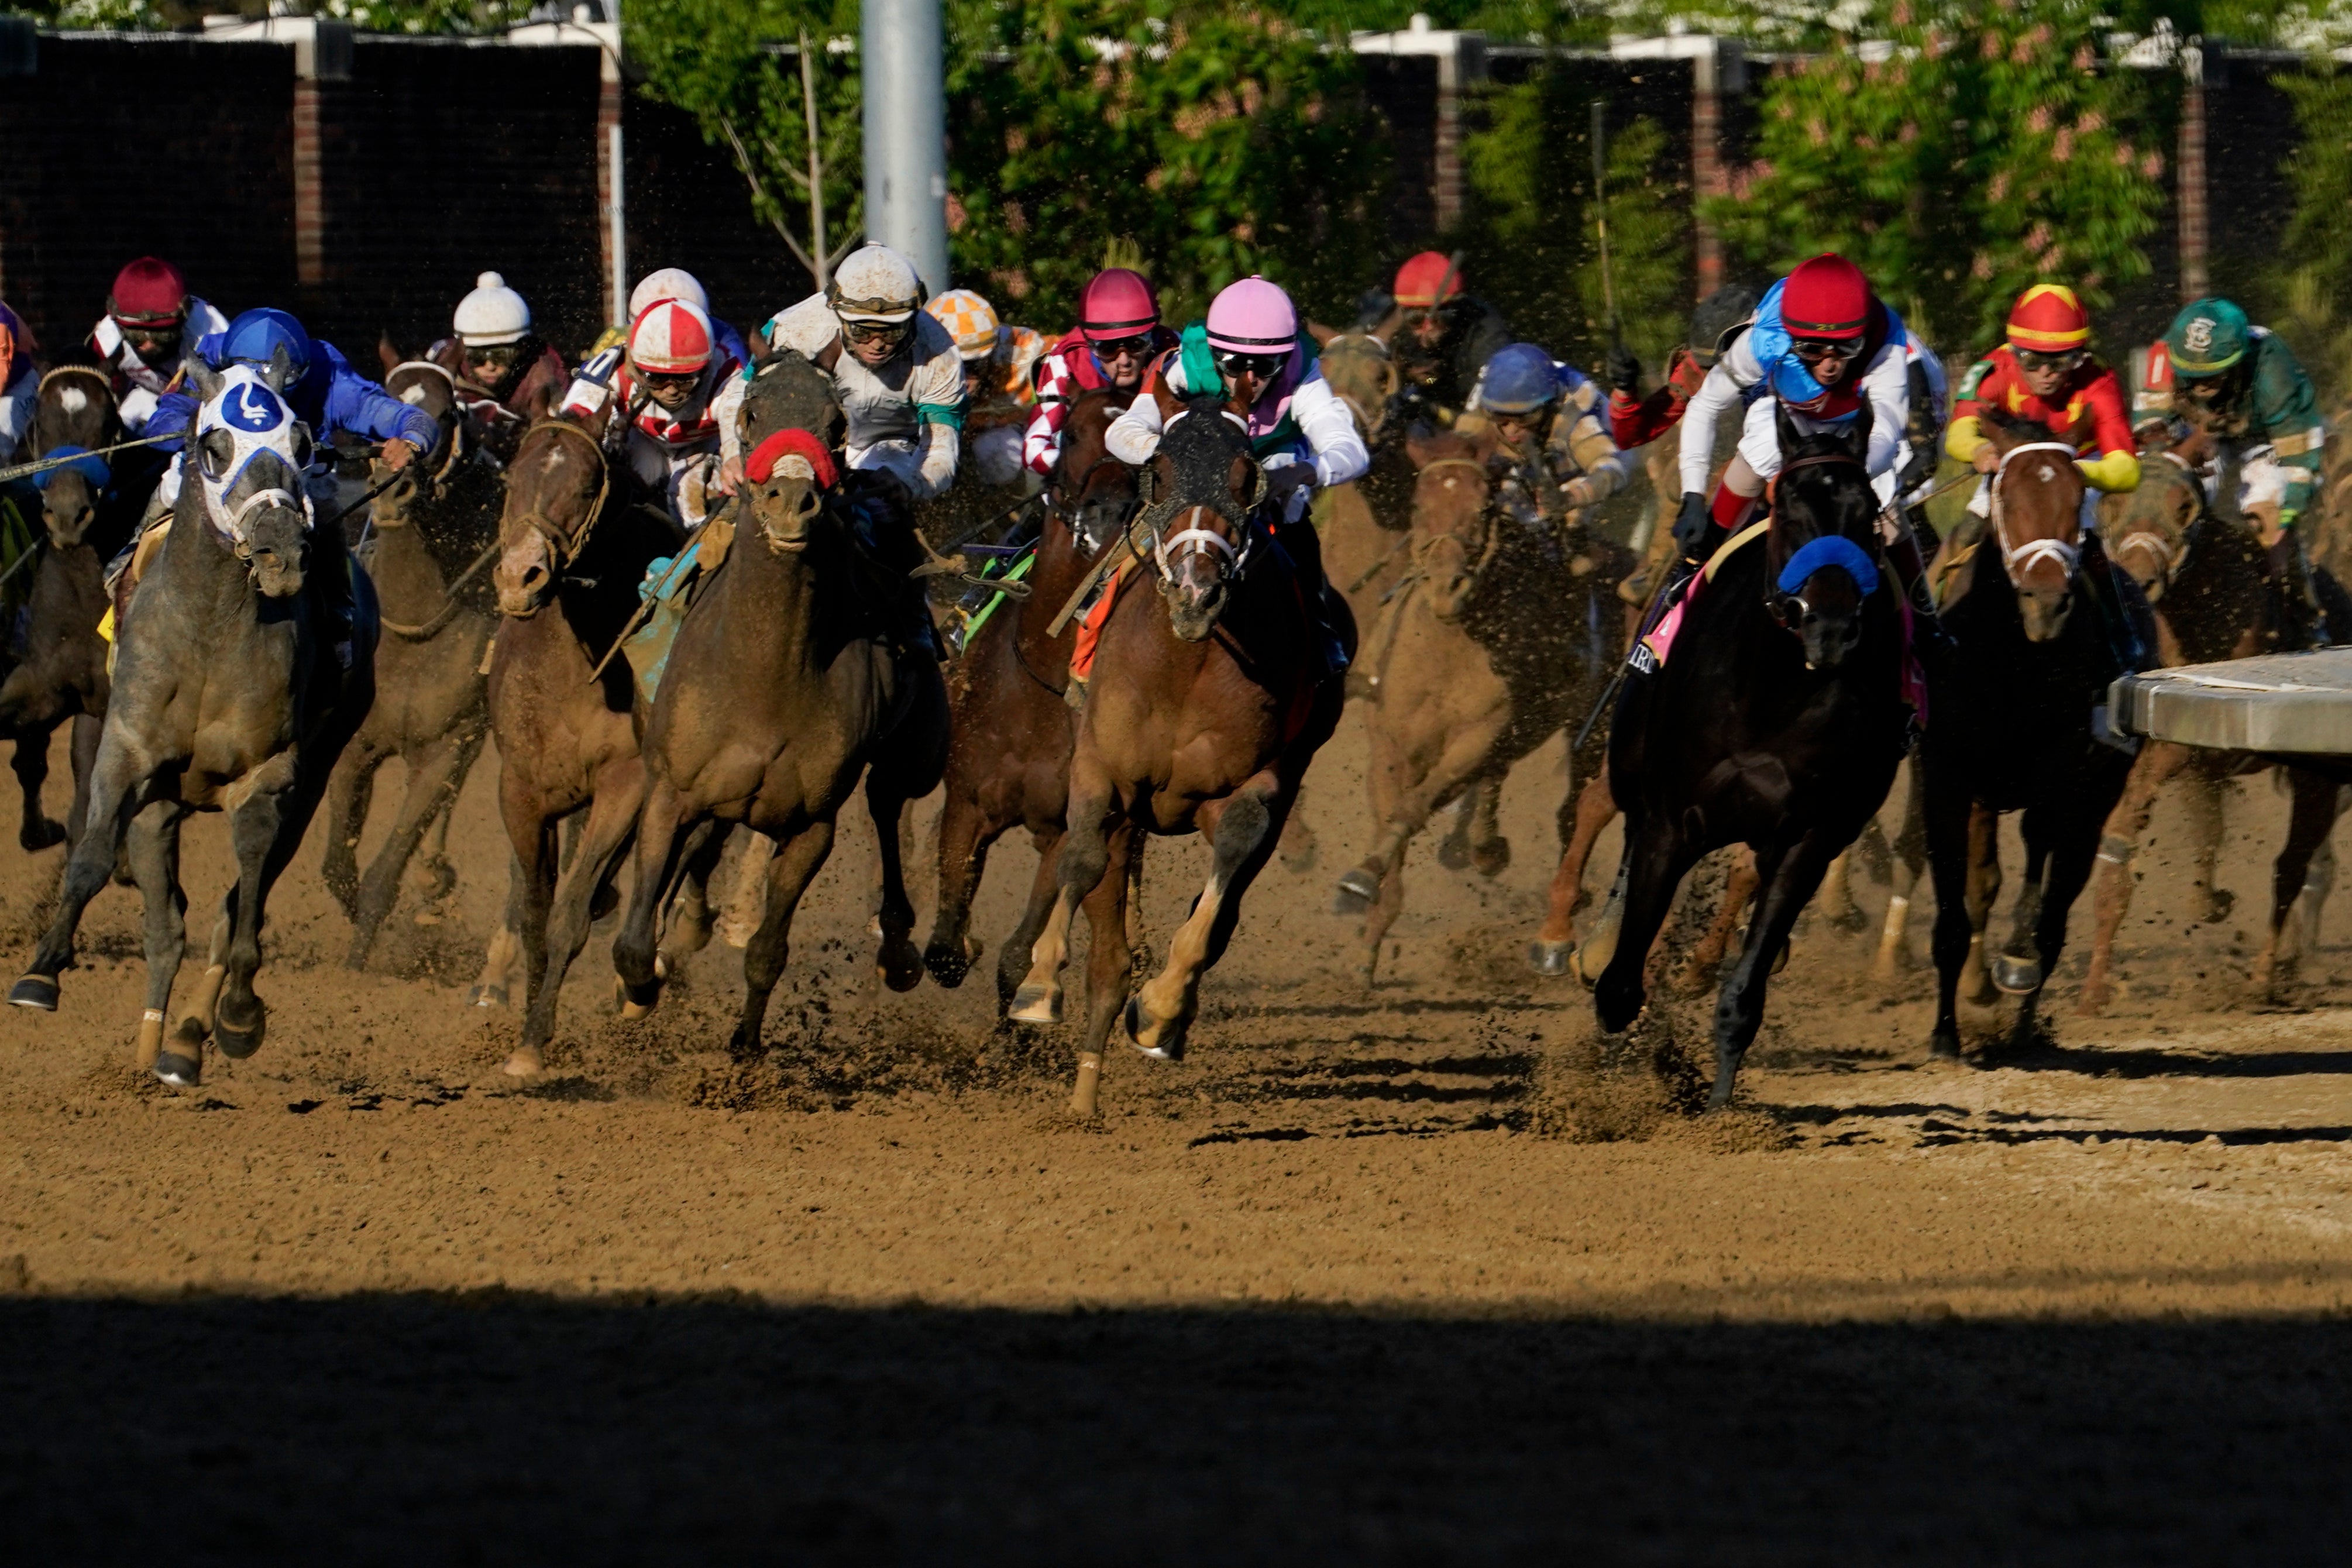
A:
(545, 526)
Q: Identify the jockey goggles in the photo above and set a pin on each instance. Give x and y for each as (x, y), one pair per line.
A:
(1136, 347)
(2034, 360)
(502, 356)
(1262, 366)
(1812, 350)
(893, 333)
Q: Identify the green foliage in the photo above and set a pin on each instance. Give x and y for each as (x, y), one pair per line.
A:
(1222, 142)
(2315, 269)
(1978, 154)
(1530, 174)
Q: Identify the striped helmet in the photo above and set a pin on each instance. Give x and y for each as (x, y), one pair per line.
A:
(2048, 319)
(969, 320)
(669, 337)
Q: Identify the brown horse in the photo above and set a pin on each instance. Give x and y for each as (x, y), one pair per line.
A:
(1498, 639)
(571, 549)
(436, 531)
(1012, 731)
(791, 675)
(1203, 714)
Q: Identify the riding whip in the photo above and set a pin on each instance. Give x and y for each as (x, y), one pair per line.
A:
(1601, 213)
(42, 466)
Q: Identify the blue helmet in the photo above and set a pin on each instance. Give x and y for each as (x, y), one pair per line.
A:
(255, 337)
(1519, 379)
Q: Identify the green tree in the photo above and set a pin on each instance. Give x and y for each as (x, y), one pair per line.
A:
(2315, 264)
(1967, 151)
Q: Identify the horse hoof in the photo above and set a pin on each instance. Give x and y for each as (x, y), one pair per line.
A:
(487, 996)
(1550, 959)
(525, 1063)
(2016, 976)
(2217, 906)
(1851, 921)
(179, 1071)
(235, 1042)
(1944, 1044)
(1453, 854)
(2097, 994)
(1037, 1004)
(1171, 1047)
(35, 991)
(36, 836)
(1356, 892)
(947, 967)
(1491, 859)
(898, 965)
(634, 1007)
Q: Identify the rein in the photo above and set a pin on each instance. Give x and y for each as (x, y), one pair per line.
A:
(2017, 560)
(568, 548)
(424, 631)
(2173, 553)
(1490, 539)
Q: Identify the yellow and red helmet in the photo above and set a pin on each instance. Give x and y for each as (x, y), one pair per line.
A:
(2049, 319)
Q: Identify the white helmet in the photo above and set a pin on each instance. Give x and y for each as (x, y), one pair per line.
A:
(875, 284)
(668, 283)
(493, 313)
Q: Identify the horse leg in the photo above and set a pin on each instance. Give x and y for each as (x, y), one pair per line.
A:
(2072, 843)
(2017, 970)
(435, 773)
(897, 961)
(1110, 962)
(1582, 816)
(792, 869)
(2314, 804)
(1490, 852)
(749, 905)
(1382, 914)
(1388, 777)
(1837, 902)
(1411, 801)
(437, 879)
(114, 785)
(1241, 829)
(1138, 942)
(965, 836)
(1297, 847)
(1077, 868)
(1877, 856)
(686, 928)
(2158, 762)
(1704, 965)
(2205, 792)
(1453, 849)
(258, 827)
(1044, 882)
(1909, 858)
(37, 832)
(1786, 881)
(2318, 882)
(154, 845)
(1948, 823)
(498, 980)
(1656, 860)
(86, 732)
(661, 839)
(1983, 888)
(350, 789)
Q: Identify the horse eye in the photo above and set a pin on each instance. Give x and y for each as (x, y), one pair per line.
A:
(216, 449)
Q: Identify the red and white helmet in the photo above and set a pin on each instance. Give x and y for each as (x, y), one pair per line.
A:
(670, 337)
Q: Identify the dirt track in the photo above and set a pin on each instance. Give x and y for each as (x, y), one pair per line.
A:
(1417, 1275)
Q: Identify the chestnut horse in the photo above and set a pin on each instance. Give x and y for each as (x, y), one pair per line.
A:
(792, 673)
(1203, 714)
(1776, 722)
(1012, 731)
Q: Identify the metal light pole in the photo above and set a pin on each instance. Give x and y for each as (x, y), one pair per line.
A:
(900, 53)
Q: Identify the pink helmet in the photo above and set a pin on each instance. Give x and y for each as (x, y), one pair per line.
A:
(1253, 317)
(1118, 304)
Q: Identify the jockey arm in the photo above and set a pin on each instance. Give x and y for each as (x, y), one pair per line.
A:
(1636, 423)
(1733, 373)
(2286, 414)
(358, 406)
(1340, 454)
(2116, 466)
(1887, 384)
(1041, 444)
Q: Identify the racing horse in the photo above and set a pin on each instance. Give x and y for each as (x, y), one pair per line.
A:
(1499, 638)
(792, 673)
(86, 515)
(573, 548)
(246, 662)
(436, 531)
(1011, 730)
(2012, 727)
(1203, 714)
(1777, 720)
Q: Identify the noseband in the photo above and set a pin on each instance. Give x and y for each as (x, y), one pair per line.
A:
(1166, 551)
(1777, 599)
(567, 547)
(2017, 560)
(2172, 553)
(1490, 541)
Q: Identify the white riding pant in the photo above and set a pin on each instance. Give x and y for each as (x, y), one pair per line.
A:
(1759, 443)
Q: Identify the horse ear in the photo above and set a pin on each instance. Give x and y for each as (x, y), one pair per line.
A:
(1321, 333)
(1784, 426)
(392, 357)
(208, 381)
(280, 374)
(1416, 444)
(1860, 437)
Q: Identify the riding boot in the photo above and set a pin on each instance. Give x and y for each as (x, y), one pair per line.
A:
(1305, 549)
(2304, 622)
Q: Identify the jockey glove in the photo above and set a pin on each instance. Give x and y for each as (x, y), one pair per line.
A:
(1692, 525)
(1624, 372)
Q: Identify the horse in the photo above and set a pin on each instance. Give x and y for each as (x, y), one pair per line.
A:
(2012, 729)
(573, 548)
(1499, 638)
(1203, 714)
(61, 675)
(790, 675)
(1012, 730)
(238, 681)
(1776, 722)
(436, 531)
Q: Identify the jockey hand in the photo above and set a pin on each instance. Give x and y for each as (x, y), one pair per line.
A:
(1578, 493)
(1624, 372)
(397, 452)
(1691, 524)
(1286, 478)
(1987, 459)
(730, 478)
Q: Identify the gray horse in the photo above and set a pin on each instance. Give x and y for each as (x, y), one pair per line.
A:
(245, 663)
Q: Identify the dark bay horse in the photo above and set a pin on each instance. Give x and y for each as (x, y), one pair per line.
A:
(1499, 638)
(2010, 730)
(236, 685)
(1776, 722)
(1012, 731)
(791, 675)
(1205, 711)
(59, 674)
(435, 533)
(573, 547)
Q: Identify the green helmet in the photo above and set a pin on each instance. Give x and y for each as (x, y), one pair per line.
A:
(2206, 337)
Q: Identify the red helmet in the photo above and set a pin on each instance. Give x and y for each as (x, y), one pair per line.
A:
(1118, 304)
(150, 292)
(1826, 298)
(1427, 280)
(2048, 319)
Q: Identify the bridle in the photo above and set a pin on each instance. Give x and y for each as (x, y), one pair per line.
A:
(567, 547)
(2017, 560)
(1490, 538)
(2172, 553)
(440, 476)
(1077, 500)
(1779, 603)
(1168, 548)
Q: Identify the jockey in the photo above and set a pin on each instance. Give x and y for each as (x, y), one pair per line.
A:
(1250, 350)
(20, 383)
(678, 283)
(2241, 385)
(1118, 336)
(668, 426)
(1714, 326)
(897, 370)
(145, 339)
(1444, 336)
(998, 389)
(502, 370)
(1822, 345)
(1546, 416)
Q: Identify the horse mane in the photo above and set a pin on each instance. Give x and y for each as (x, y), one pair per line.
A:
(1200, 450)
(2015, 426)
(787, 391)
